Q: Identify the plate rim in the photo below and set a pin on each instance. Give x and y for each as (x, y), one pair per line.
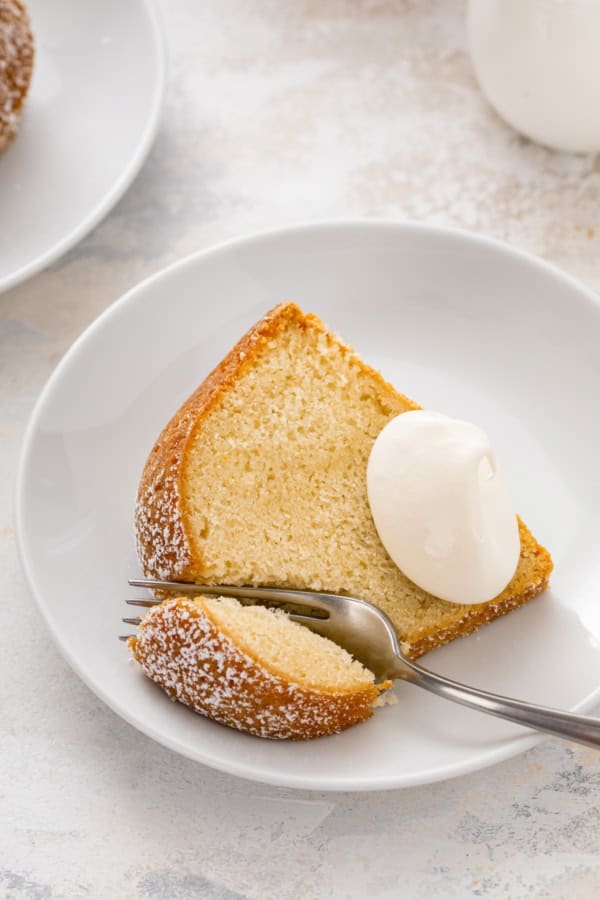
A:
(125, 178)
(504, 750)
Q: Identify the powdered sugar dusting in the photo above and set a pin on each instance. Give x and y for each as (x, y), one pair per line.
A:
(16, 64)
(181, 649)
(162, 546)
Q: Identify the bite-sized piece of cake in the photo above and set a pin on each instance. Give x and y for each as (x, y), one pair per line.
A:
(16, 65)
(260, 478)
(253, 669)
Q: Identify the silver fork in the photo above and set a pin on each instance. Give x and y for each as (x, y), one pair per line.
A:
(368, 634)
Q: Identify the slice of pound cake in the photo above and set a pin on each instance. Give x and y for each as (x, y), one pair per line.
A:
(260, 478)
(254, 669)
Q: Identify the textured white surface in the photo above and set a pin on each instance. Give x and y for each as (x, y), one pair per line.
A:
(280, 111)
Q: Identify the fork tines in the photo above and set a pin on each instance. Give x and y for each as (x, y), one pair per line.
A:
(302, 606)
(135, 620)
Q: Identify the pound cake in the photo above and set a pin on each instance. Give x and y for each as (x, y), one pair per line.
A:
(16, 66)
(260, 478)
(253, 669)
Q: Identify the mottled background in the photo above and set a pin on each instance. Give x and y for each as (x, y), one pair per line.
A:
(280, 111)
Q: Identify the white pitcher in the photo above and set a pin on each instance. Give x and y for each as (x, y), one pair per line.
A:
(538, 64)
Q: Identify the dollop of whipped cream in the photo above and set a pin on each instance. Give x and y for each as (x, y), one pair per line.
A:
(442, 508)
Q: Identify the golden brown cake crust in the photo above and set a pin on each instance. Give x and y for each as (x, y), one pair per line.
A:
(16, 65)
(180, 647)
(166, 548)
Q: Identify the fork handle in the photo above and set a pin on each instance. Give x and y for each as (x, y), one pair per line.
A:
(582, 729)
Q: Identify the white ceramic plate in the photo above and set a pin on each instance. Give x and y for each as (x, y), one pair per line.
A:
(464, 325)
(89, 121)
